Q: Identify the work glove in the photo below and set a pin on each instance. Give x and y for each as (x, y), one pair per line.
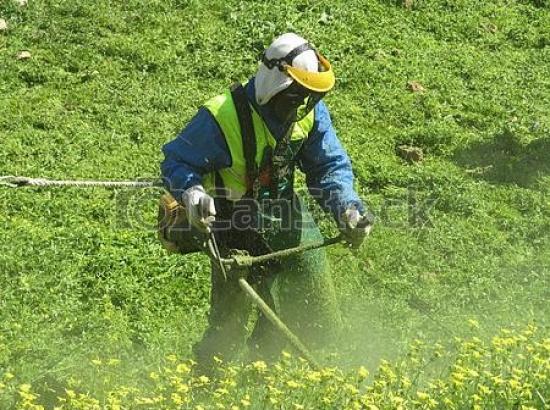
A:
(200, 207)
(355, 227)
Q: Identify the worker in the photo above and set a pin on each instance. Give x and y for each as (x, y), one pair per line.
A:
(234, 164)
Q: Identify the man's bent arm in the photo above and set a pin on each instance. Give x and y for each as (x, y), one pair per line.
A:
(329, 175)
(199, 149)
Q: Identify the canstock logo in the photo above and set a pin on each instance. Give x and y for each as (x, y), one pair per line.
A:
(411, 206)
(136, 209)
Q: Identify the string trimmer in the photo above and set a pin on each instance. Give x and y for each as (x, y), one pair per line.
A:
(240, 260)
(236, 262)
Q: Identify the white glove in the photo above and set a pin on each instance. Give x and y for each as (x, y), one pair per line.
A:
(199, 207)
(355, 227)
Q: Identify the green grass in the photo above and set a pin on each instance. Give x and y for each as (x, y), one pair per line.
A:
(110, 82)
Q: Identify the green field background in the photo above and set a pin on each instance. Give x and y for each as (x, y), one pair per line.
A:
(461, 236)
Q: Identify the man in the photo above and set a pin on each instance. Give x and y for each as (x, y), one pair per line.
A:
(234, 162)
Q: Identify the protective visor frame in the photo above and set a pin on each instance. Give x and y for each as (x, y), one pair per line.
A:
(319, 82)
(309, 105)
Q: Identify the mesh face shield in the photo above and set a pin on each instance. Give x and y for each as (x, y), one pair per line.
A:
(309, 105)
(295, 102)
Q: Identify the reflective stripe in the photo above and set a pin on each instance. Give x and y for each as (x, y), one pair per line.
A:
(223, 110)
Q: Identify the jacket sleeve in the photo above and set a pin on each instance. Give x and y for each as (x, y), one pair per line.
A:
(327, 167)
(200, 148)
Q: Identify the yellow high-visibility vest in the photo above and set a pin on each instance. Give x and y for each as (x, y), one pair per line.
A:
(224, 111)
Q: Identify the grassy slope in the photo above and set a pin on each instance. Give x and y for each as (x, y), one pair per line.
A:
(108, 84)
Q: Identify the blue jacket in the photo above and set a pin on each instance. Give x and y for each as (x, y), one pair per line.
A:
(200, 148)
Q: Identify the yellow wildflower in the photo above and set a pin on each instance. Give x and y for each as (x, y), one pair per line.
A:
(397, 401)
(182, 368)
(176, 398)
(422, 396)
(154, 375)
(292, 384)
(158, 399)
(358, 406)
(484, 390)
(516, 371)
(530, 330)
(540, 376)
(350, 388)
(328, 371)
(145, 400)
(221, 391)
(472, 373)
(182, 388)
(273, 390)
(363, 373)
(25, 388)
(458, 378)
(473, 323)
(514, 384)
(260, 365)
(387, 372)
(314, 376)
(497, 380)
(97, 362)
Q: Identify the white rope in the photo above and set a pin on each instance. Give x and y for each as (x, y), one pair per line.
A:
(18, 182)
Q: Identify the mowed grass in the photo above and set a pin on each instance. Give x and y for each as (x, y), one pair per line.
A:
(461, 235)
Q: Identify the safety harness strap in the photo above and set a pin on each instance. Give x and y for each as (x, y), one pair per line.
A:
(248, 136)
